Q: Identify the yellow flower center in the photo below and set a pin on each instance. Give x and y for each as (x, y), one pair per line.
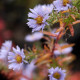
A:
(39, 20)
(57, 75)
(18, 59)
(65, 2)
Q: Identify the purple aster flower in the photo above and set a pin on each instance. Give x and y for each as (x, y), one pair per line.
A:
(16, 59)
(61, 5)
(38, 16)
(57, 74)
(6, 47)
(34, 37)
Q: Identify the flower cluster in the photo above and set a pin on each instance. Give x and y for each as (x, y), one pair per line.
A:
(40, 14)
(46, 58)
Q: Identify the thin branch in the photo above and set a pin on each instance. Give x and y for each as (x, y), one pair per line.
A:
(76, 22)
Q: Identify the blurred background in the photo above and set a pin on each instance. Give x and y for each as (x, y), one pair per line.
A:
(13, 19)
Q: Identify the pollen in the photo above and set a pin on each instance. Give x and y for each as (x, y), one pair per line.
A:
(57, 75)
(65, 2)
(18, 59)
(39, 20)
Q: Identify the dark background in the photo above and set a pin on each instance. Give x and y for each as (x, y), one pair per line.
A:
(13, 19)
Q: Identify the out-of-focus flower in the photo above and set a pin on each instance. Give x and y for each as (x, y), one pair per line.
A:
(54, 32)
(47, 8)
(63, 49)
(16, 59)
(34, 37)
(61, 5)
(39, 17)
(6, 47)
(28, 71)
(22, 78)
(57, 74)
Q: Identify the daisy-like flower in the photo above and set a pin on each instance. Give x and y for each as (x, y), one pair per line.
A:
(34, 37)
(63, 49)
(57, 74)
(6, 47)
(38, 16)
(16, 59)
(61, 5)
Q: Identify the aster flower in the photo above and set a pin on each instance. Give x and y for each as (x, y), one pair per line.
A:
(39, 16)
(34, 37)
(56, 74)
(61, 5)
(16, 59)
(63, 49)
(6, 47)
